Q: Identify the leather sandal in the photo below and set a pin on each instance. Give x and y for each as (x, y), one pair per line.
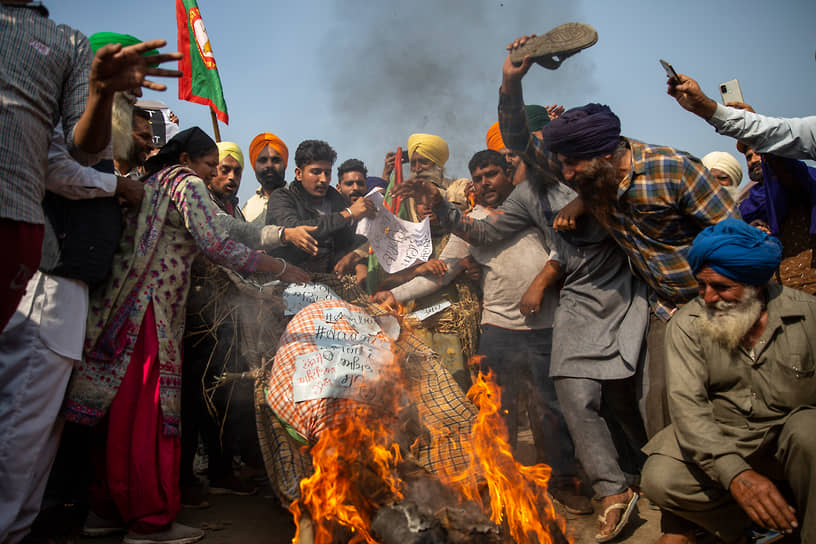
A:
(627, 507)
(551, 49)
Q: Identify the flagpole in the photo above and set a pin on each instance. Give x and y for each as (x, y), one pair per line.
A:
(215, 126)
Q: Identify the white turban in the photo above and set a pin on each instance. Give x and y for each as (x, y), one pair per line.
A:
(725, 162)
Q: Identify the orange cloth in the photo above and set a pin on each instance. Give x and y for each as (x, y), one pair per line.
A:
(493, 138)
(264, 139)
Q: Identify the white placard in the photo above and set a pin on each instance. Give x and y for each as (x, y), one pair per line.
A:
(348, 371)
(298, 296)
(397, 243)
(425, 313)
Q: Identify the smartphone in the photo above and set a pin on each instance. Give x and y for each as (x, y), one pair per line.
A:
(730, 92)
(669, 70)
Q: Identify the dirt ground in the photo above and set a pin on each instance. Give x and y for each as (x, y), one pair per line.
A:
(261, 519)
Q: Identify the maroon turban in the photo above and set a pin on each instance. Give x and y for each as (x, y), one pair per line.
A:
(583, 133)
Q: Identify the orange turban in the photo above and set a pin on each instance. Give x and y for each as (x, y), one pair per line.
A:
(264, 139)
(493, 138)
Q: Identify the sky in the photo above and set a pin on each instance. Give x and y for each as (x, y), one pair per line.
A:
(363, 75)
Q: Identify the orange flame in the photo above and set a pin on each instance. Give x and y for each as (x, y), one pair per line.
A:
(354, 468)
(517, 493)
(355, 473)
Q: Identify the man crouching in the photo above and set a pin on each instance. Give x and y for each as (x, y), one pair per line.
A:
(740, 361)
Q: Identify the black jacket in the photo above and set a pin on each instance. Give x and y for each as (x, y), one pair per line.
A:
(292, 206)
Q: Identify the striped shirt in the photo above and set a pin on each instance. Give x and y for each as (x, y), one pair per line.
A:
(44, 69)
(667, 198)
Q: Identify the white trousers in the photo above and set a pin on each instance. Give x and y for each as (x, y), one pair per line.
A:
(33, 380)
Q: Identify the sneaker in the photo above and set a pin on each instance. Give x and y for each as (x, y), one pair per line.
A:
(550, 49)
(231, 485)
(572, 501)
(176, 534)
(194, 496)
(96, 525)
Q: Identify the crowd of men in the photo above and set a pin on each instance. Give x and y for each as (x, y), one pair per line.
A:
(653, 318)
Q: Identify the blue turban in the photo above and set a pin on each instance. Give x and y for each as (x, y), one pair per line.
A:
(736, 250)
(583, 133)
(373, 181)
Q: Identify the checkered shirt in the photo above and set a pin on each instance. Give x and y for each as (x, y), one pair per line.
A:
(44, 69)
(667, 198)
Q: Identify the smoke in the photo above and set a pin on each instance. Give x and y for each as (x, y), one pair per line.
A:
(430, 66)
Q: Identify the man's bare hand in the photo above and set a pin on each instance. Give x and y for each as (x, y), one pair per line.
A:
(295, 274)
(385, 299)
(688, 94)
(741, 106)
(129, 190)
(763, 502)
(512, 74)
(362, 207)
(531, 300)
(433, 267)
(346, 264)
(418, 189)
(567, 217)
(555, 111)
(388, 167)
(301, 238)
(117, 68)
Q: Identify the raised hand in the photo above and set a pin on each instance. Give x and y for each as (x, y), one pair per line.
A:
(117, 68)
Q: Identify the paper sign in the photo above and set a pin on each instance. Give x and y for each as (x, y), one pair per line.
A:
(425, 313)
(339, 371)
(296, 297)
(397, 243)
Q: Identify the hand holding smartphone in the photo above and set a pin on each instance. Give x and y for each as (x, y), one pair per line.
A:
(670, 71)
(731, 92)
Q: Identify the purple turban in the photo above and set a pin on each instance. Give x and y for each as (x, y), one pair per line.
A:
(583, 133)
(736, 250)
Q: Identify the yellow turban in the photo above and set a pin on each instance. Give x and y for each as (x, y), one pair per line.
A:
(429, 146)
(493, 138)
(230, 149)
(264, 139)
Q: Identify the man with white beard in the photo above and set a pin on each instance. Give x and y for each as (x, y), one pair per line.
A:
(740, 362)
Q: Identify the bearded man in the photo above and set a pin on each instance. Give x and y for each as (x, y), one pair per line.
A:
(269, 157)
(740, 372)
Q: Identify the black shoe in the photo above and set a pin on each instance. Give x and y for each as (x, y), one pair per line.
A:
(550, 50)
(194, 496)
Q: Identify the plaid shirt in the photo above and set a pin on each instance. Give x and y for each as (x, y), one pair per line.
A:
(44, 69)
(663, 203)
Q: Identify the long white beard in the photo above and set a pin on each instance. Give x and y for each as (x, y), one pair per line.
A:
(122, 126)
(728, 322)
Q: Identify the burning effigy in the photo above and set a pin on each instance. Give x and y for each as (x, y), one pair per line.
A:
(398, 453)
(366, 436)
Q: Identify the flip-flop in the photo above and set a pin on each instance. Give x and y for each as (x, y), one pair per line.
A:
(550, 49)
(627, 507)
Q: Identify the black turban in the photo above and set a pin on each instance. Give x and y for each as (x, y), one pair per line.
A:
(583, 133)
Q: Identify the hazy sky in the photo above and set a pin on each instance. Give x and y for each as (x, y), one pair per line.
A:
(364, 75)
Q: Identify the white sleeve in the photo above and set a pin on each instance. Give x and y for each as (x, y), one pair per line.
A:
(794, 138)
(66, 177)
(454, 252)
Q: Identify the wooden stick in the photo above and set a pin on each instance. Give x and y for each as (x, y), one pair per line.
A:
(215, 126)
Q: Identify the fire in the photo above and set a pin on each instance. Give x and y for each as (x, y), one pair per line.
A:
(356, 473)
(355, 469)
(517, 493)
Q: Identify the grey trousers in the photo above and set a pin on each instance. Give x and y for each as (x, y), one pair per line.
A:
(606, 428)
(685, 490)
(32, 387)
